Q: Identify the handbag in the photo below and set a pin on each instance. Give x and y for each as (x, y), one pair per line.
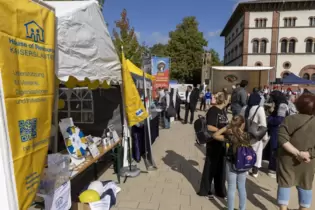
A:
(170, 112)
(254, 129)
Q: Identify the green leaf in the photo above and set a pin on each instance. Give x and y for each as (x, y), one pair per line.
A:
(186, 49)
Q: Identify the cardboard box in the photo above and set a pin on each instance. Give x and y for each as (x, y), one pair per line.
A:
(80, 206)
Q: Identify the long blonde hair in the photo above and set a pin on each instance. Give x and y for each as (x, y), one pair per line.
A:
(237, 129)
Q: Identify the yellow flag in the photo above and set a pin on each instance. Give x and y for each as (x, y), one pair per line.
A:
(134, 107)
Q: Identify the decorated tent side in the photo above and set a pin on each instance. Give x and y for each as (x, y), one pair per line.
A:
(88, 69)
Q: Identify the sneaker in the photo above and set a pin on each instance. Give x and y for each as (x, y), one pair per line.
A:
(255, 175)
(272, 174)
(254, 172)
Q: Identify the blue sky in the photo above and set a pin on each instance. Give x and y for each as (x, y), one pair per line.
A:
(153, 20)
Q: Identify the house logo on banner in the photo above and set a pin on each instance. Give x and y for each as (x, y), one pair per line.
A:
(34, 32)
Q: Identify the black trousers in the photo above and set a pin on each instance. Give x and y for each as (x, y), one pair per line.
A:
(178, 110)
(191, 109)
(214, 170)
(202, 104)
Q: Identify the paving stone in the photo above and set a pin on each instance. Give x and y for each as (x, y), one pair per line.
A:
(128, 204)
(164, 206)
(149, 206)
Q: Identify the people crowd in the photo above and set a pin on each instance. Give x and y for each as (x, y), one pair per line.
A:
(288, 143)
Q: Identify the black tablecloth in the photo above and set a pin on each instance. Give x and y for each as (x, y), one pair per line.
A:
(138, 144)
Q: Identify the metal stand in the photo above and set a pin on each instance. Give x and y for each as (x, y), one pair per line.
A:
(131, 170)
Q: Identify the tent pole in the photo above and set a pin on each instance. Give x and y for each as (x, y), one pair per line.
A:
(56, 123)
(149, 161)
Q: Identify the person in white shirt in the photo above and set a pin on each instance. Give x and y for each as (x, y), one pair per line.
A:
(254, 111)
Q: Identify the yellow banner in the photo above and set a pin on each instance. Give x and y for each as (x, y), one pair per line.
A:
(135, 70)
(135, 110)
(27, 36)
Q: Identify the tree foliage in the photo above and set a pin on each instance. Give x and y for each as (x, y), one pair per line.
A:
(159, 50)
(215, 58)
(186, 48)
(124, 36)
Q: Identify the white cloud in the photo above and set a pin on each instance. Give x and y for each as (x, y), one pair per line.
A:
(138, 35)
(157, 37)
(213, 33)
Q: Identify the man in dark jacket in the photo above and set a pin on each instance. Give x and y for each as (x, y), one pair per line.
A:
(239, 98)
(191, 103)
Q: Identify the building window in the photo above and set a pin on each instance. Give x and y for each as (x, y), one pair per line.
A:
(242, 25)
(306, 76)
(258, 63)
(263, 46)
(284, 46)
(78, 105)
(264, 23)
(312, 21)
(286, 65)
(255, 46)
(289, 22)
(236, 51)
(233, 35)
(229, 56)
(313, 77)
(309, 45)
(261, 23)
(232, 54)
(236, 31)
(292, 46)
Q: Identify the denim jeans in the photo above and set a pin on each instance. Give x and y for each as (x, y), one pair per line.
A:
(235, 179)
(166, 119)
(305, 196)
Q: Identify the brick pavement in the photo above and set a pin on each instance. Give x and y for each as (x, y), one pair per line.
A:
(173, 186)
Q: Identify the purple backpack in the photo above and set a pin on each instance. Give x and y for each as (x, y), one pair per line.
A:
(244, 158)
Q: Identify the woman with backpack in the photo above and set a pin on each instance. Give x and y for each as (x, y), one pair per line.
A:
(214, 169)
(253, 111)
(236, 177)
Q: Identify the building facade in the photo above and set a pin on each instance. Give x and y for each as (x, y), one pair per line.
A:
(277, 33)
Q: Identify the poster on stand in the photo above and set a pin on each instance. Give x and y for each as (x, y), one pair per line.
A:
(27, 41)
(161, 71)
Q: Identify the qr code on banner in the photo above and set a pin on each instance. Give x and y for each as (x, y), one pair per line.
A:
(28, 129)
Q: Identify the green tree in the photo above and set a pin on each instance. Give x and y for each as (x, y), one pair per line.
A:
(186, 48)
(124, 36)
(159, 50)
(215, 58)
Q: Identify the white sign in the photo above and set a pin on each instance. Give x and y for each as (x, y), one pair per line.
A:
(94, 150)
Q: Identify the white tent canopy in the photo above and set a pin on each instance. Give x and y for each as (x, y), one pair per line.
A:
(84, 46)
(242, 68)
(226, 76)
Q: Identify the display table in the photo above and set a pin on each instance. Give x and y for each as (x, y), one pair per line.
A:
(89, 161)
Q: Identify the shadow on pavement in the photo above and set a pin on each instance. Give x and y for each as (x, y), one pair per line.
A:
(258, 190)
(186, 167)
